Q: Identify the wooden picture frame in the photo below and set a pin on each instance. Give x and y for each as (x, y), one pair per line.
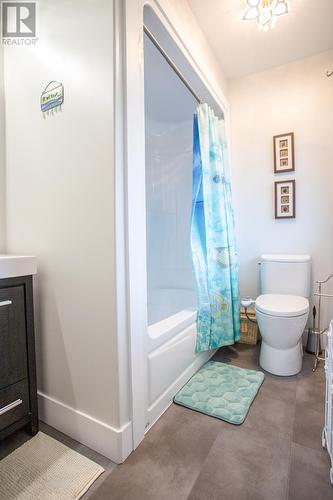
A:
(285, 199)
(284, 153)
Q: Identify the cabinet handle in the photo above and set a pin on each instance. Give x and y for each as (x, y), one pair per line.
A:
(5, 303)
(11, 406)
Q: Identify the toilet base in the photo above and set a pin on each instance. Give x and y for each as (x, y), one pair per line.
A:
(283, 362)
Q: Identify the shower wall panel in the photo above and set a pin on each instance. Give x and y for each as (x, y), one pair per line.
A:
(169, 117)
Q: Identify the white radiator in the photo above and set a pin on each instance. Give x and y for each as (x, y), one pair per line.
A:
(327, 439)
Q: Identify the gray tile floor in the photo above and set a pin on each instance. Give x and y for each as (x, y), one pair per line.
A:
(276, 454)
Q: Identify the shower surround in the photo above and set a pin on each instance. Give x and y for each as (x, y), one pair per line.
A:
(171, 290)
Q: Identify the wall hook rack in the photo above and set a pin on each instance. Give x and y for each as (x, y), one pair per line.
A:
(329, 73)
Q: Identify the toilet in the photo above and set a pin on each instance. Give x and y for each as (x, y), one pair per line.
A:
(282, 311)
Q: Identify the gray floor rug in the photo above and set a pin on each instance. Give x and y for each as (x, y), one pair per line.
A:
(44, 469)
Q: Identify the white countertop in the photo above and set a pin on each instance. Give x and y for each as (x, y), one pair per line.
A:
(12, 266)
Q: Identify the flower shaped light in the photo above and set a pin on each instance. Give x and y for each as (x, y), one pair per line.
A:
(265, 12)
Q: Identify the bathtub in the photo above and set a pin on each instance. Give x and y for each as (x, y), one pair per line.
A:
(170, 348)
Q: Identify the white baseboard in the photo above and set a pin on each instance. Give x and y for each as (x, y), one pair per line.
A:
(115, 444)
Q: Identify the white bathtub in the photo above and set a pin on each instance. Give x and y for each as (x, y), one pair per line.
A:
(170, 347)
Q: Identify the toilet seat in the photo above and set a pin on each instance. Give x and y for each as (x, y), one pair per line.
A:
(282, 305)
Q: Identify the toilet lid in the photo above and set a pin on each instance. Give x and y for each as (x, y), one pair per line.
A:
(282, 305)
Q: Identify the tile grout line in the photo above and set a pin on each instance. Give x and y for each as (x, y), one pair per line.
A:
(213, 442)
(203, 463)
(292, 441)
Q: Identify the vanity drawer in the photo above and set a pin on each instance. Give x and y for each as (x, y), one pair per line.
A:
(14, 403)
(13, 337)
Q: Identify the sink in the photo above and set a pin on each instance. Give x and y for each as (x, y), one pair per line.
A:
(12, 266)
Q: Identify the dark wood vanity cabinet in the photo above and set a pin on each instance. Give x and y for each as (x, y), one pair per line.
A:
(18, 389)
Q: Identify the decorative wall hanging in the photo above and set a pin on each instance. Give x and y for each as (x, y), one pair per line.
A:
(52, 96)
(284, 156)
(285, 199)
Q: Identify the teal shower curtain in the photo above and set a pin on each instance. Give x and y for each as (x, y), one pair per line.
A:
(213, 235)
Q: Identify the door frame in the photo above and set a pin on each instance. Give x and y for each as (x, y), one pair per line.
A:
(134, 190)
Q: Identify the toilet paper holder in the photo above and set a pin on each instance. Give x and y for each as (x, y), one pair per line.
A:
(246, 303)
(318, 331)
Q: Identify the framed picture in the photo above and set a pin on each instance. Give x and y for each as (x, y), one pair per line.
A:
(285, 199)
(284, 156)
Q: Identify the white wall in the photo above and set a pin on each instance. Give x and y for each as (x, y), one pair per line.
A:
(2, 160)
(61, 202)
(296, 97)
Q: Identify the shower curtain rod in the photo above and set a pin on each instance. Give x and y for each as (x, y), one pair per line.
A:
(172, 64)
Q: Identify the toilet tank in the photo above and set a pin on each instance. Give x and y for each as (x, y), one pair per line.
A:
(285, 274)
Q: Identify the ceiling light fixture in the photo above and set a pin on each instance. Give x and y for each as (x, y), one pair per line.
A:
(265, 12)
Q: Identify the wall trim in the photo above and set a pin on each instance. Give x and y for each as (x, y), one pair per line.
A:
(115, 444)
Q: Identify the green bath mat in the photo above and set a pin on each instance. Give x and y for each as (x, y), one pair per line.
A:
(221, 391)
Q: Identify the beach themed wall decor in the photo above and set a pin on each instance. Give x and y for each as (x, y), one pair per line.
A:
(52, 96)
(284, 155)
(285, 199)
